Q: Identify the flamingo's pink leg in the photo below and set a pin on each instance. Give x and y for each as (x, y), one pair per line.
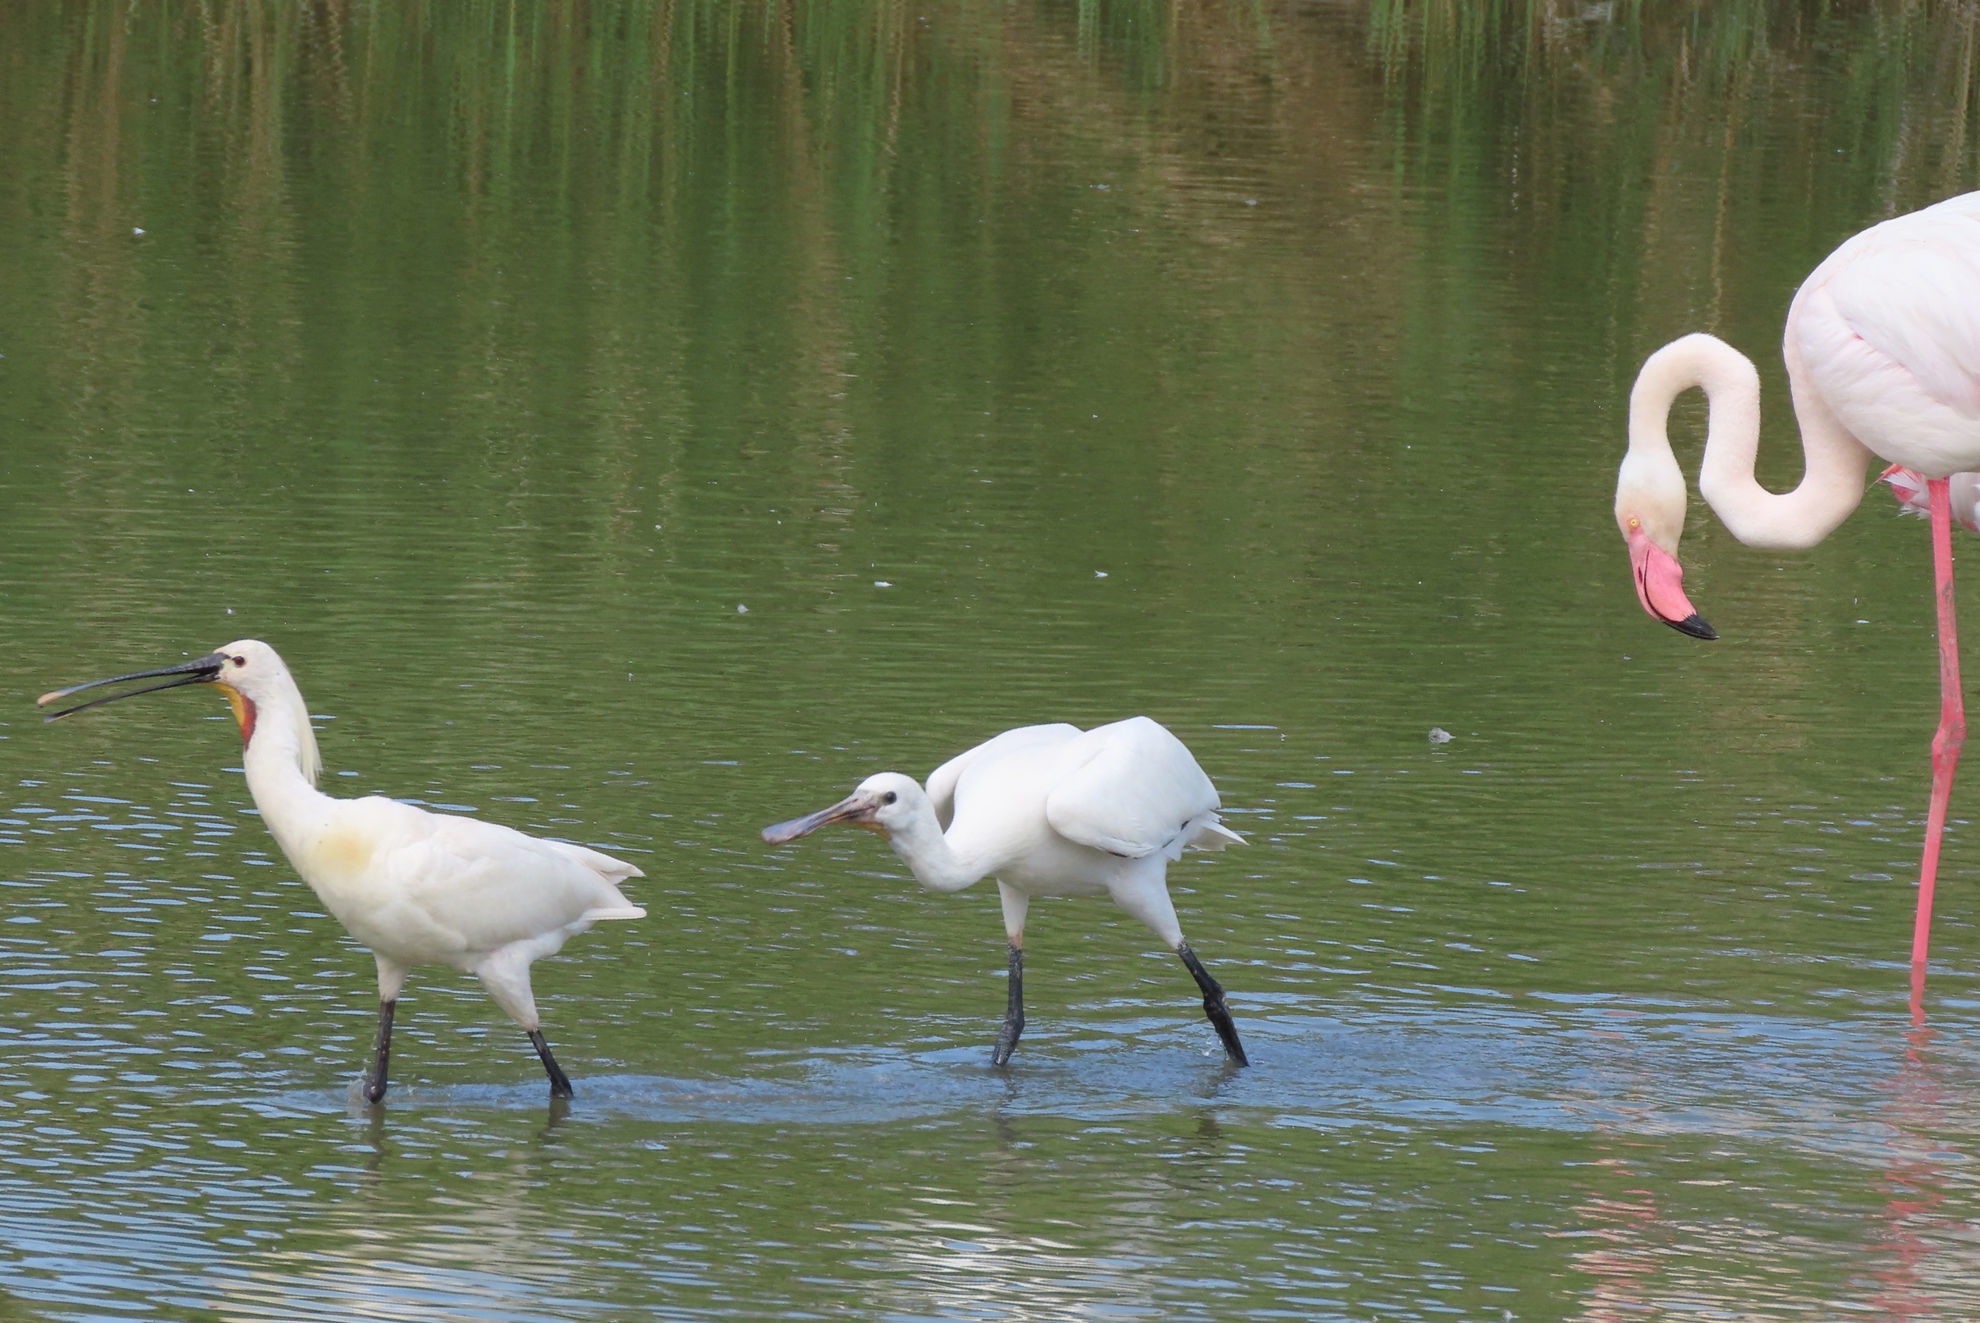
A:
(1952, 717)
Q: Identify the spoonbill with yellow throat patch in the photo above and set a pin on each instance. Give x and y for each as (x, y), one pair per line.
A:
(413, 886)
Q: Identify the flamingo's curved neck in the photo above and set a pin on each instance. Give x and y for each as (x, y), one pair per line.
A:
(927, 852)
(1831, 485)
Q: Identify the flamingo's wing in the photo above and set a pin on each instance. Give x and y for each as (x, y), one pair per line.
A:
(1888, 330)
(1133, 789)
(1908, 485)
(941, 783)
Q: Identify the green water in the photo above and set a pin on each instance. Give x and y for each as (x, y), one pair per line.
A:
(638, 423)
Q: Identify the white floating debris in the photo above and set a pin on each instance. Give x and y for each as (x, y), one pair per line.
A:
(135, 230)
(1438, 735)
(882, 583)
(741, 610)
(1099, 574)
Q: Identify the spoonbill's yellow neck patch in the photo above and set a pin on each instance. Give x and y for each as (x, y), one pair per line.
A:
(243, 709)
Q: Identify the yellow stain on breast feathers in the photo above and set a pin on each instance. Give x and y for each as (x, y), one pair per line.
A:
(342, 852)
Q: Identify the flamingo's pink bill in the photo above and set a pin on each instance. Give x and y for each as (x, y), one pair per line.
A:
(1660, 587)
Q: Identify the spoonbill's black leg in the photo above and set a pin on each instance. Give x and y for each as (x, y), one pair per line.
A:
(1013, 1013)
(1214, 1005)
(560, 1083)
(381, 1056)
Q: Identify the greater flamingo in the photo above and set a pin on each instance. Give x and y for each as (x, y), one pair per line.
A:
(1883, 356)
(1052, 811)
(414, 887)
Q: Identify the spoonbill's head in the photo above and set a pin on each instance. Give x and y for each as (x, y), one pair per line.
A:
(1650, 514)
(247, 671)
(883, 803)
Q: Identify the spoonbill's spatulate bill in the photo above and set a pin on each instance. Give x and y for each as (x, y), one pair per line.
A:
(1883, 357)
(415, 887)
(1052, 811)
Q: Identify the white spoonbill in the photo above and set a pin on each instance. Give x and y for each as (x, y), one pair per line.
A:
(415, 887)
(1883, 357)
(1052, 811)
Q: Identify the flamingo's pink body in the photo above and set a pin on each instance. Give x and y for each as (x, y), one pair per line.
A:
(1908, 485)
(1883, 358)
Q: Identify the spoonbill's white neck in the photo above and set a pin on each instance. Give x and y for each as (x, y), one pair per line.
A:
(1831, 485)
(281, 760)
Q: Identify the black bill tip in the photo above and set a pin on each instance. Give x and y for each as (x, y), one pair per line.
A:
(1694, 625)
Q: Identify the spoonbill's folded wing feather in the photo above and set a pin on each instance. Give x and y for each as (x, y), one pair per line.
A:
(941, 783)
(1131, 788)
(1211, 834)
(612, 870)
(490, 885)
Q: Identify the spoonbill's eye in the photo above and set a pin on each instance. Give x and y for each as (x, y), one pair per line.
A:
(889, 797)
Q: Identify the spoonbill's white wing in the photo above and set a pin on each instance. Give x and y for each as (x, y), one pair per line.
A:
(1131, 788)
(941, 783)
(443, 887)
(516, 884)
(612, 870)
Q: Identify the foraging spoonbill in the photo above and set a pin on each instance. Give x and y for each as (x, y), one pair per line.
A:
(1883, 356)
(415, 887)
(1052, 811)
